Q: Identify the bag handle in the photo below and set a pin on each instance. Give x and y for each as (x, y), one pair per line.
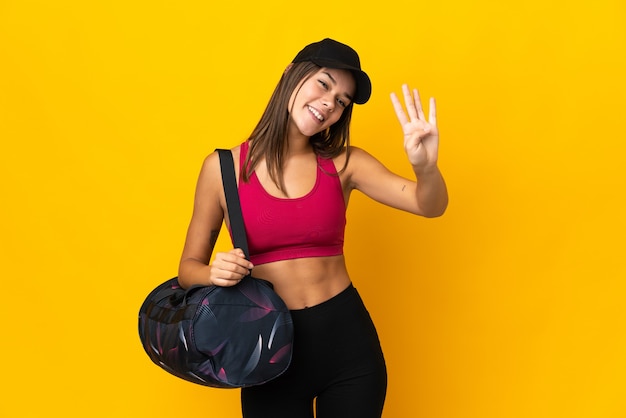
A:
(237, 228)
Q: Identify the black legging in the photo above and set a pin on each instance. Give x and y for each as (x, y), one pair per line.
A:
(337, 359)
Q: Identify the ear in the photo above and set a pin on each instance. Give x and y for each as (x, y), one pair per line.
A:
(288, 68)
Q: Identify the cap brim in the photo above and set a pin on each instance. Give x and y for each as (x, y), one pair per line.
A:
(363, 82)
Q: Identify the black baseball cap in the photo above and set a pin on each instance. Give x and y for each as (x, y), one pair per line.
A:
(332, 54)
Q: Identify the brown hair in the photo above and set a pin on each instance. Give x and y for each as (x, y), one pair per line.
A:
(269, 137)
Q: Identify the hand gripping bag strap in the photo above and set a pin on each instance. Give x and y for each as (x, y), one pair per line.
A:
(227, 166)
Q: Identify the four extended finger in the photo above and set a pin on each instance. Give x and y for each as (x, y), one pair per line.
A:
(397, 106)
(409, 103)
(418, 104)
(432, 117)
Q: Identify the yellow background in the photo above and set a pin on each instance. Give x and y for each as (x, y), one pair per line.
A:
(511, 305)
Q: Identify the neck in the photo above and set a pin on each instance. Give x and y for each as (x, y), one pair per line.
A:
(298, 145)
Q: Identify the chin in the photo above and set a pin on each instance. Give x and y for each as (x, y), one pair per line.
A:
(308, 131)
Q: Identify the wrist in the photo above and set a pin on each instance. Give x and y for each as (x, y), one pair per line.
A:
(426, 170)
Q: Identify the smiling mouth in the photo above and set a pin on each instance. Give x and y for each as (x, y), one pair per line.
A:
(317, 114)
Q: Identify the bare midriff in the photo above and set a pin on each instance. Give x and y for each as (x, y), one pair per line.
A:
(306, 282)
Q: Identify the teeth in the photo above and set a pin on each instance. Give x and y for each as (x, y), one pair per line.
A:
(317, 114)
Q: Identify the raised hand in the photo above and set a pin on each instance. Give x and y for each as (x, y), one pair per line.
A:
(421, 137)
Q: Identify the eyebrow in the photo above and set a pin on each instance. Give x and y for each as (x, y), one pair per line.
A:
(335, 83)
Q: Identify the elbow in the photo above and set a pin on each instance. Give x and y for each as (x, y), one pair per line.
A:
(434, 214)
(432, 202)
(436, 211)
(184, 281)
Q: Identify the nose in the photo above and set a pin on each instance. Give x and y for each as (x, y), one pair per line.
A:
(329, 103)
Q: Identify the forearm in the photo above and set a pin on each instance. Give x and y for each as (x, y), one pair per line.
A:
(431, 192)
(192, 272)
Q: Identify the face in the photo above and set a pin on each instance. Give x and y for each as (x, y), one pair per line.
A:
(318, 102)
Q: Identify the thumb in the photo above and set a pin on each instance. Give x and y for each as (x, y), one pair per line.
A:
(238, 252)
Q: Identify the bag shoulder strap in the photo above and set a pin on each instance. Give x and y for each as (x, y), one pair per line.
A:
(229, 181)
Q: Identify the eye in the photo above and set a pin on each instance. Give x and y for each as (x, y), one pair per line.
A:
(342, 103)
(323, 84)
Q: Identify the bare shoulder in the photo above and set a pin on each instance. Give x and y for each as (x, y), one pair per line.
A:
(210, 168)
(360, 154)
(210, 198)
(360, 160)
(357, 155)
(209, 183)
(211, 164)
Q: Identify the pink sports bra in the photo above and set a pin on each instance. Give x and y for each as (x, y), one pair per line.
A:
(283, 229)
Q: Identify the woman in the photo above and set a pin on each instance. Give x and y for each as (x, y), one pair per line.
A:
(296, 173)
